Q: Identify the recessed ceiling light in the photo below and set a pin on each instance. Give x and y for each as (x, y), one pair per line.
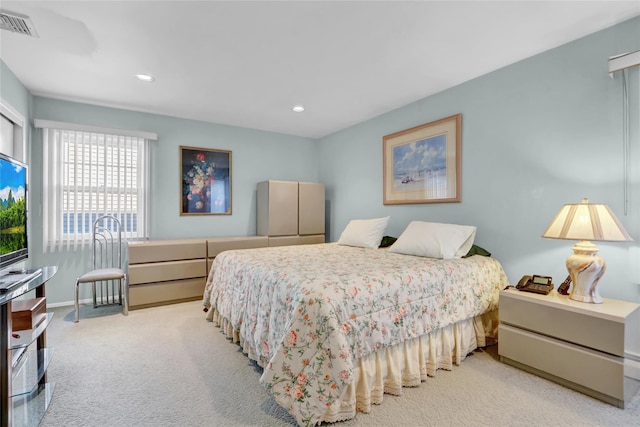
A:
(145, 78)
(298, 108)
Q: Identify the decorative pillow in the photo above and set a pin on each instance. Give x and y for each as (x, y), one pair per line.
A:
(435, 240)
(387, 241)
(477, 250)
(365, 233)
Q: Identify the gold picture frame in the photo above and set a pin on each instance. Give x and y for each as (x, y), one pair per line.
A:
(422, 164)
(205, 181)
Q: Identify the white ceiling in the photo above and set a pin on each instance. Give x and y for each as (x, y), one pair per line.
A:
(247, 63)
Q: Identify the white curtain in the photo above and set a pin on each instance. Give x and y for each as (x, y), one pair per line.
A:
(88, 174)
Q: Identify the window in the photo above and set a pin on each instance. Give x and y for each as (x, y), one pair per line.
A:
(12, 141)
(87, 174)
(6, 135)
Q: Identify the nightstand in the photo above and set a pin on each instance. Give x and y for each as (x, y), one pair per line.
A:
(591, 348)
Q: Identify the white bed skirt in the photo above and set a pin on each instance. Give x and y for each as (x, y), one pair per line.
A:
(403, 365)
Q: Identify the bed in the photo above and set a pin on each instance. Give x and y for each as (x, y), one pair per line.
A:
(336, 326)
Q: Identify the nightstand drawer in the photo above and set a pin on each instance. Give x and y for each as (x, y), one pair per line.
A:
(588, 371)
(559, 317)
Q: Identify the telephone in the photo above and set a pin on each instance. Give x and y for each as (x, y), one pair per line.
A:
(564, 288)
(535, 283)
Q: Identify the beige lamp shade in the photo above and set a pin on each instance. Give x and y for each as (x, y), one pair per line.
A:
(586, 221)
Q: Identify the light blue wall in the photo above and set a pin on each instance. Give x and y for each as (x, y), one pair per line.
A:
(256, 156)
(13, 92)
(535, 135)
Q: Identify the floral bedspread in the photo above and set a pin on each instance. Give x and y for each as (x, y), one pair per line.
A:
(308, 312)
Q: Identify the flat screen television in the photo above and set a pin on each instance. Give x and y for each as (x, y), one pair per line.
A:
(13, 211)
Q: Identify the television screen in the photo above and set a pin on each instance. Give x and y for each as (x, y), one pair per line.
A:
(13, 211)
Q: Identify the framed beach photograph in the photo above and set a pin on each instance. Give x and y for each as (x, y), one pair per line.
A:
(422, 164)
(205, 181)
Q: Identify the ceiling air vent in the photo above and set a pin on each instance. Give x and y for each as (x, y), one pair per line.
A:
(17, 23)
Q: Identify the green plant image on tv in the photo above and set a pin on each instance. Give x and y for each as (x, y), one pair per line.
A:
(12, 225)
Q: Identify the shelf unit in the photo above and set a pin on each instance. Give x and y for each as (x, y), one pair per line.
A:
(25, 392)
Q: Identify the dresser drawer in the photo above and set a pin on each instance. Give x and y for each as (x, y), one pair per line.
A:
(296, 240)
(217, 245)
(164, 271)
(147, 295)
(166, 250)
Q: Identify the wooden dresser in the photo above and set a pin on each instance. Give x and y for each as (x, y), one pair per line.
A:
(172, 271)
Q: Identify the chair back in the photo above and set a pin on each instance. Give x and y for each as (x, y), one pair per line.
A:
(107, 277)
(107, 242)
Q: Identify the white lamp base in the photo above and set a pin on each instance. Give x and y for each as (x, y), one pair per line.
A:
(585, 268)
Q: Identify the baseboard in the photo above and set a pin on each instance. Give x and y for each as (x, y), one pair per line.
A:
(69, 303)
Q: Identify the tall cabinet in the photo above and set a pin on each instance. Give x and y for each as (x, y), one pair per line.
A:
(291, 212)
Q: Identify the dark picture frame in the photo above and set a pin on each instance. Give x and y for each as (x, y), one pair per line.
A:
(423, 164)
(205, 181)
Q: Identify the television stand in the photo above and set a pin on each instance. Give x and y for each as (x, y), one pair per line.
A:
(24, 398)
(9, 279)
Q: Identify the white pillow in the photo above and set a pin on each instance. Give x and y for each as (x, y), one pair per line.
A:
(364, 233)
(435, 240)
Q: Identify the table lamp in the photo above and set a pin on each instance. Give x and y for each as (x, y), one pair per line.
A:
(586, 222)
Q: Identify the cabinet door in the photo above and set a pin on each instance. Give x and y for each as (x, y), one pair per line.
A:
(311, 208)
(277, 208)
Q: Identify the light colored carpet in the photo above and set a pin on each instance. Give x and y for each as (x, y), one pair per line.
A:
(168, 366)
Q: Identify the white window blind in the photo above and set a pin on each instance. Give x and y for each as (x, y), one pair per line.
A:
(89, 174)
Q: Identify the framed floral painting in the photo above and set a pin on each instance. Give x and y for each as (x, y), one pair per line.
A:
(205, 179)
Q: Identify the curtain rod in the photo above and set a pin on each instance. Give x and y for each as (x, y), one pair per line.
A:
(40, 123)
(623, 61)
